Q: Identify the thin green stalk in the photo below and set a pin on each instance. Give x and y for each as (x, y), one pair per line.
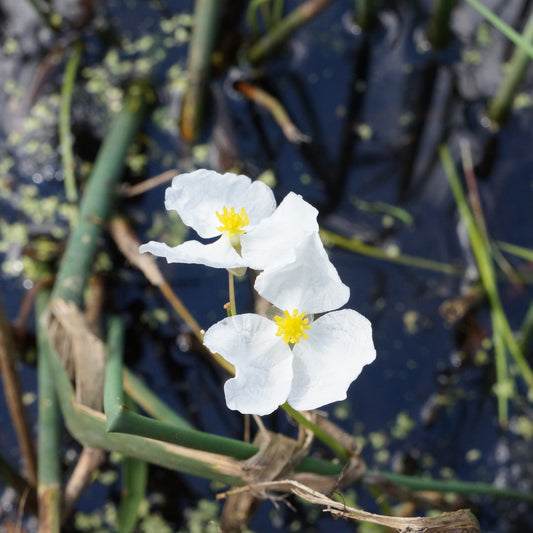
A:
(134, 478)
(486, 270)
(134, 471)
(499, 24)
(384, 208)
(354, 245)
(500, 105)
(503, 380)
(65, 135)
(49, 444)
(458, 487)
(438, 30)
(518, 251)
(206, 25)
(319, 433)
(284, 29)
(99, 197)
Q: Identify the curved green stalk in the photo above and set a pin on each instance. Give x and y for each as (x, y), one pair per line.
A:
(65, 135)
(99, 197)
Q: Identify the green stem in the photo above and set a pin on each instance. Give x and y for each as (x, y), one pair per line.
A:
(284, 29)
(459, 487)
(500, 105)
(49, 444)
(206, 22)
(357, 246)
(481, 250)
(518, 251)
(65, 135)
(121, 419)
(498, 23)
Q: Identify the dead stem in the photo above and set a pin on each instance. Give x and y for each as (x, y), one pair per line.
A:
(262, 98)
(13, 394)
(146, 185)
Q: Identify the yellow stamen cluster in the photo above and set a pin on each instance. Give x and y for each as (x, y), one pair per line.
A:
(292, 327)
(232, 221)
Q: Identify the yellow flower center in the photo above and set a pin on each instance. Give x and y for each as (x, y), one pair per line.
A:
(292, 327)
(232, 221)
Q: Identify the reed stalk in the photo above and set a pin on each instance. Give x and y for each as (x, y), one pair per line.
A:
(502, 102)
(201, 48)
(49, 448)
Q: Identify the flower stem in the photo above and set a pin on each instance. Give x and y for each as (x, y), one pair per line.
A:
(231, 286)
(319, 433)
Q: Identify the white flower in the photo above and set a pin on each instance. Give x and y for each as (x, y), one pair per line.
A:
(214, 205)
(308, 282)
(308, 364)
(242, 214)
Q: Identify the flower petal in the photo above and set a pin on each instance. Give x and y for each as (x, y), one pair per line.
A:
(310, 283)
(198, 195)
(324, 364)
(262, 361)
(273, 241)
(218, 254)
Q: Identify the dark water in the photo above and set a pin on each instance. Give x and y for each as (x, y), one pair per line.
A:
(408, 100)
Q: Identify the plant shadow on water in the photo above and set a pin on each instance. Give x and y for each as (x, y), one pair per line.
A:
(375, 106)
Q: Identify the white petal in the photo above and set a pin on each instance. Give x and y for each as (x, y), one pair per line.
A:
(218, 254)
(198, 196)
(274, 240)
(262, 361)
(310, 283)
(324, 364)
